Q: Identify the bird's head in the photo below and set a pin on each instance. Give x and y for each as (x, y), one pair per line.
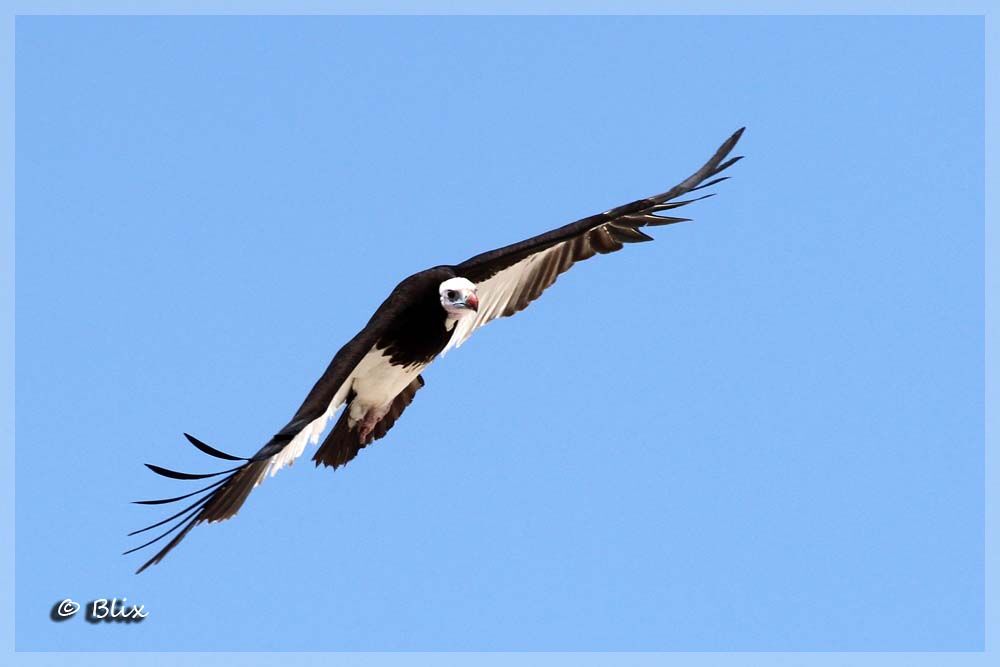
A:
(458, 298)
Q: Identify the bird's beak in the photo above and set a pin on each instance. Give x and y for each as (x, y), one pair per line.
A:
(472, 302)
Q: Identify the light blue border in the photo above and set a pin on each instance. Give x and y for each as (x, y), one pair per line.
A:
(7, 328)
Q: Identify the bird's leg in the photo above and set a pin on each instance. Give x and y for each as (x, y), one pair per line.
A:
(367, 425)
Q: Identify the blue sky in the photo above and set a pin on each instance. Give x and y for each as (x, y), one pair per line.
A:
(762, 432)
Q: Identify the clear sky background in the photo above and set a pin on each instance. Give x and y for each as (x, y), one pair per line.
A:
(762, 432)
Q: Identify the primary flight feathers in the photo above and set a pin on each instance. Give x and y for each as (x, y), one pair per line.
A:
(377, 373)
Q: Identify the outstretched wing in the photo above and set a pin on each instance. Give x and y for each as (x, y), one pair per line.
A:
(224, 497)
(509, 278)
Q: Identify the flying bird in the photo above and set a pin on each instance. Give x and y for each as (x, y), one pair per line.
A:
(375, 376)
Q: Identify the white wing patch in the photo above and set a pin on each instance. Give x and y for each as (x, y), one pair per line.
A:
(311, 433)
(506, 287)
(308, 435)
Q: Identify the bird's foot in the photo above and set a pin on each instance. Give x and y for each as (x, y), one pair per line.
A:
(367, 425)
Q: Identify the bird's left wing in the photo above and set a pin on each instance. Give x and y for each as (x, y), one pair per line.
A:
(224, 497)
(509, 278)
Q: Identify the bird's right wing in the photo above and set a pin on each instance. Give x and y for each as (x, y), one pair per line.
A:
(509, 278)
(224, 497)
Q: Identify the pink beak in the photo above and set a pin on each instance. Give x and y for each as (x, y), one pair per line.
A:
(472, 302)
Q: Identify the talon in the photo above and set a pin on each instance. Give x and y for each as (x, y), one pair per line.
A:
(367, 425)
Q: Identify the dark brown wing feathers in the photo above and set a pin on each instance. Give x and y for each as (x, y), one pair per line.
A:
(223, 499)
(606, 232)
(556, 251)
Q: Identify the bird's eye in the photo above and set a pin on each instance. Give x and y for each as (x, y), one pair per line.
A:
(451, 294)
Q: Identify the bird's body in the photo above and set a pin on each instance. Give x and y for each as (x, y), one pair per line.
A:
(413, 338)
(377, 382)
(412, 330)
(376, 375)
